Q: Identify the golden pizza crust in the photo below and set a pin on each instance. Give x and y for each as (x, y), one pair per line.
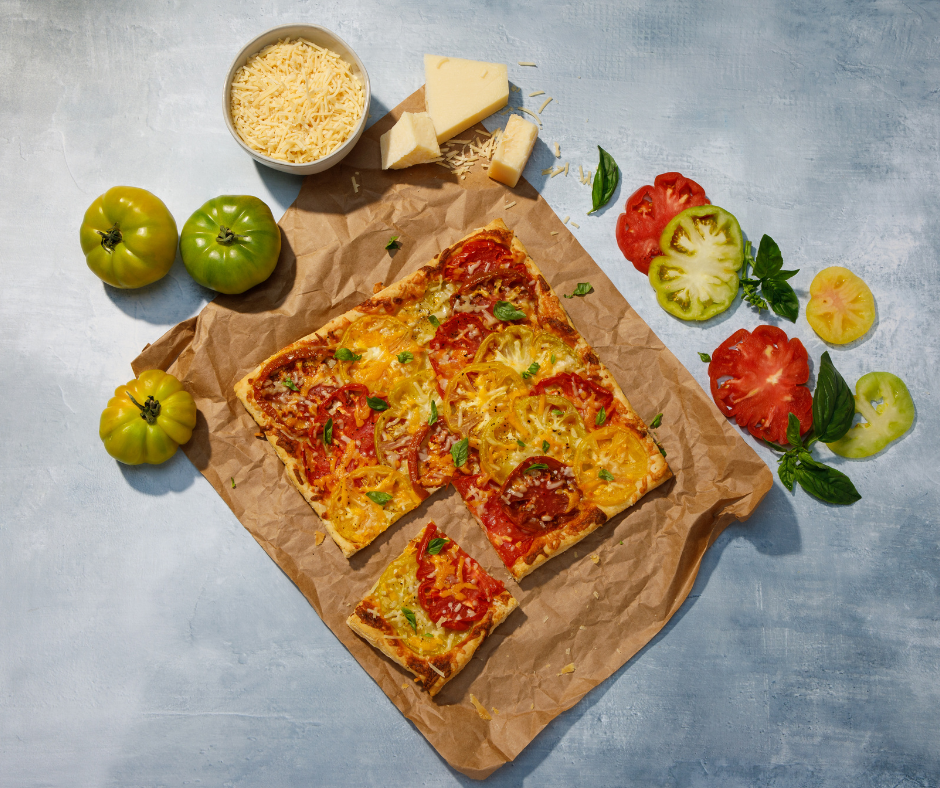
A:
(367, 622)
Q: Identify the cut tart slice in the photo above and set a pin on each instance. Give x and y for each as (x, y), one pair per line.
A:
(431, 609)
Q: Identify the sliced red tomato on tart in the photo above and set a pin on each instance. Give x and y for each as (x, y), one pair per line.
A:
(649, 210)
(476, 257)
(759, 377)
(455, 344)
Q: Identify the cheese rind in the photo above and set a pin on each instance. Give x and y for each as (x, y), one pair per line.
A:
(513, 151)
(462, 92)
(410, 141)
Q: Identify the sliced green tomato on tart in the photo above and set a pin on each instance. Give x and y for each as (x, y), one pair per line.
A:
(888, 409)
(697, 275)
(533, 354)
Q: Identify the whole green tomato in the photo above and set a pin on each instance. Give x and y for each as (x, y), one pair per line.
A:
(147, 419)
(128, 237)
(231, 244)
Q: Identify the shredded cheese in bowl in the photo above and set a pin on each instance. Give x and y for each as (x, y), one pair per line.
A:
(295, 101)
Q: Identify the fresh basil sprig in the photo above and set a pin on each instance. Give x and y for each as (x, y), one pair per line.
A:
(436, 545)
(606, 178)
(381, 498)
(507, 312)
(833, 413)
(767, 274)
(460, 451)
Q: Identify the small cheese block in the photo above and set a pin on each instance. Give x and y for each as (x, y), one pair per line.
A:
(461, 92)
(513, 151)
(410, 141)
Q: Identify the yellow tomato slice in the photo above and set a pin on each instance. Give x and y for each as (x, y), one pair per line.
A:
(544, 425)
(478, 393)
(436, 302)
(357, 517)
(397, 592)
(841, 307)
(409, 410)
(615, 452)
(379, 340)
(533, 354)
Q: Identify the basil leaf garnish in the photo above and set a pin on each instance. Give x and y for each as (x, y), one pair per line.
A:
(531, 371)
(583, 289)
(328, 432)
(393, 243)
(381, 498)
(345, 354)
(290, 384)
(786, 470)
(601, 416)
(705, 357)
(606, 178)
(436, 545)
(409, 614)
(520, 444)
(606, 475)
(434, 321)
(507, 312)
(826, 483)
(833, 403)
(657, 420)
(460, 451)
(545, 447)
(537, 466)
(377, 403)
(793, 431)
(404, 357)
(433, 417)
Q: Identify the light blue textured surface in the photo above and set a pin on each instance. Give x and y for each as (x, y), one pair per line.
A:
(146, 640)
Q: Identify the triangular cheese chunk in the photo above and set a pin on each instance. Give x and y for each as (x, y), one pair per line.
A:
(461, 92)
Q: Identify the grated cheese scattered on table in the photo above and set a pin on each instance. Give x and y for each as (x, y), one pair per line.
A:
(537, 93)
(545, 104)
(481, 709)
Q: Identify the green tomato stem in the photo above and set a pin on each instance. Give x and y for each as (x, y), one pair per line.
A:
(149, 410)
(111, 238)
(226, 236)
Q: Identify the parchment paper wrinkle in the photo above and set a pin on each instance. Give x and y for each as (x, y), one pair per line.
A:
(333, 254)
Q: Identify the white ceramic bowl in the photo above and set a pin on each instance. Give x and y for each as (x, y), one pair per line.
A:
(321, 37)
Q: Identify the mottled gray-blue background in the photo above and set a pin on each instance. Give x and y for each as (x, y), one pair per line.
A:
(146, 640)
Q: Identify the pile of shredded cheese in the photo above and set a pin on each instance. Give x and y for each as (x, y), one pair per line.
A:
(459, 156)
(295, 101)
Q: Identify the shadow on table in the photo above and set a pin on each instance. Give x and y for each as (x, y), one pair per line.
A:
(773, 531)
(175, 475)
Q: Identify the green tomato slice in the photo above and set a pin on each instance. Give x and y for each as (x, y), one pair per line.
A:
(696, 277)
(888, 410)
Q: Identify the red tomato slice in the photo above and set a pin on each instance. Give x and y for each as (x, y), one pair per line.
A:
(588, 397)
(649, 210)
(477, 257)
(428, 458)
(455, 344)
(540, 494)
(454, 589)
(352, 418)
(758, 378)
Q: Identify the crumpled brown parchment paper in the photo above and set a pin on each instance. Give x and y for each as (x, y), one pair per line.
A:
(594, 606)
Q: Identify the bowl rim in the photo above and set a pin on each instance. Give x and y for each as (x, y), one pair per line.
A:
(252, 48)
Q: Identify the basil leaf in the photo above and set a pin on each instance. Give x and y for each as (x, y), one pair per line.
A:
(328, 432)
(436, 545)
(786, 274)
(545, 447)
(705, 357)
(826, 483)
(606, 475)
(233, 482)
(606, 178)
(434, 321)
(536, 466)
(601, 416)
(409, 614)
(556, 412)
(531, 371)
(786, 470)
(781, 297)
(583, 289)
(377, 403)
(520, 443)
(657, 420)
(433, 417)
(345, 354)
(393, 242)
(793, 430)
(381, 498)
(833, 403)
(769, 259)
(460, 451)
(290, 384)
(404, 357)
(553, 358)
(507, 312)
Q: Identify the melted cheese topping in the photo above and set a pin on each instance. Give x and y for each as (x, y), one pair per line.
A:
(295, 101)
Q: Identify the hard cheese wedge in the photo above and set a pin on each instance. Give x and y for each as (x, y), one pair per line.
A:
(461, 92)
(513, 151)
(410, 141)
